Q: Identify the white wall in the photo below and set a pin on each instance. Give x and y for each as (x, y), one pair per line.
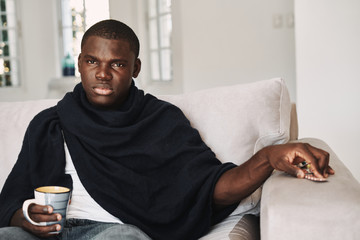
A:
(328, 75)
(235, 41)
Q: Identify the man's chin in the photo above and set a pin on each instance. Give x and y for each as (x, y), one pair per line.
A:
(104, 103)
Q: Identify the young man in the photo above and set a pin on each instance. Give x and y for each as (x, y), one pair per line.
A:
(136, 167)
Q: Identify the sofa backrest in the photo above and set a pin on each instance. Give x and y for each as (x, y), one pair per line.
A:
(235, 121)
(14, 119)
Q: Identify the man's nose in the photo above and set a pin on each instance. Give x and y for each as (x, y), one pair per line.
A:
(103, 73)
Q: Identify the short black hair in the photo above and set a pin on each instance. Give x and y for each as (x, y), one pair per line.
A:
(113, 29)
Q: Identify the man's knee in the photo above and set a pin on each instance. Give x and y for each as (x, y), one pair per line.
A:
(15, 233)
(123, 231)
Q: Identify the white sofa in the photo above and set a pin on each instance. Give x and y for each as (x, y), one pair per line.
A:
(236, 121)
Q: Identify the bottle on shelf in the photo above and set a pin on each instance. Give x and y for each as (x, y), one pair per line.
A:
(68, 65)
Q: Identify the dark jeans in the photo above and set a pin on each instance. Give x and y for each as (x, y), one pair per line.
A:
(79, 229)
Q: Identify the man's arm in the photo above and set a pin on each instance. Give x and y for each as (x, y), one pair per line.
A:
(18, 187)
(238, 183)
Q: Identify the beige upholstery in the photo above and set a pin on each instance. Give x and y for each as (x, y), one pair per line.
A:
(294, 208)
(294, 128)
(248, 228)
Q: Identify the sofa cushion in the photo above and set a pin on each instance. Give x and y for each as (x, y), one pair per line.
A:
(248, 228)
(14, 119)
(237, 121)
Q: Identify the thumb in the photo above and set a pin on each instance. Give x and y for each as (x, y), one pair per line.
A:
(299, 173)
(295, 171)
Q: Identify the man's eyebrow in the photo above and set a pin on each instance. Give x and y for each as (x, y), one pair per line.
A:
(111, 60)
(89, 56)
(115, 60)
(119, 60)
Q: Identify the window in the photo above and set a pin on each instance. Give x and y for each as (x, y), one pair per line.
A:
(76, 17)
(9, 59)
(160, 28)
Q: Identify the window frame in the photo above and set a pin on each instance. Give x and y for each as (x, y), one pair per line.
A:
(15, 60)
(160, 49)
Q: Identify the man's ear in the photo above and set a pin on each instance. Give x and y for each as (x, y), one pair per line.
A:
(137, 68)
(79, 62)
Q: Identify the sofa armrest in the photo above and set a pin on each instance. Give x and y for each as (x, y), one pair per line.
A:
(294, 126)
(294, 208)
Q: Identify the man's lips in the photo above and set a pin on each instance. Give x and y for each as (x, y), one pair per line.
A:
(103, 89)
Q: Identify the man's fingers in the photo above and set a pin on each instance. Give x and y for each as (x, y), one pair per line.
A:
(299, 159)
(41, 209)
(46, 218)
(42, 231)
(292, 170)
(330, 170)
(307, 155)
(315, 171)
(322, 158)
(41, 213)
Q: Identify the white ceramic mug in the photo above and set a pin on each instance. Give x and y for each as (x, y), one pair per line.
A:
(54, 196)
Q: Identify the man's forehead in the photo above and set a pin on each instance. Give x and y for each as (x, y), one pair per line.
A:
(110, 49)
(94, 41)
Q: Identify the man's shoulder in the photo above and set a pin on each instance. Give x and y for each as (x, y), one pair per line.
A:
(157, 103)
(163, 108)
(45, 115)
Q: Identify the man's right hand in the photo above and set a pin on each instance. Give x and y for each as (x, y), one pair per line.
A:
(239, 182)
(38, 213)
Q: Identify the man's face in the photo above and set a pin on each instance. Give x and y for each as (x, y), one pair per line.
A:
(107, 67)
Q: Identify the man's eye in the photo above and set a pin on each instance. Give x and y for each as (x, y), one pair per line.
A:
(118, 65)
(90, 61)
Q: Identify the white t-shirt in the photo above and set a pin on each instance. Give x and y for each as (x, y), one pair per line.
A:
(82, 205)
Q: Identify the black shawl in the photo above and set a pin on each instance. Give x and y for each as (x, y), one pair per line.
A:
(143, 163)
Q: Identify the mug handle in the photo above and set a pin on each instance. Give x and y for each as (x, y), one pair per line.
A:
(25, 207)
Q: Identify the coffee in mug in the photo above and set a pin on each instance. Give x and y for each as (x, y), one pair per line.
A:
(54, 196)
